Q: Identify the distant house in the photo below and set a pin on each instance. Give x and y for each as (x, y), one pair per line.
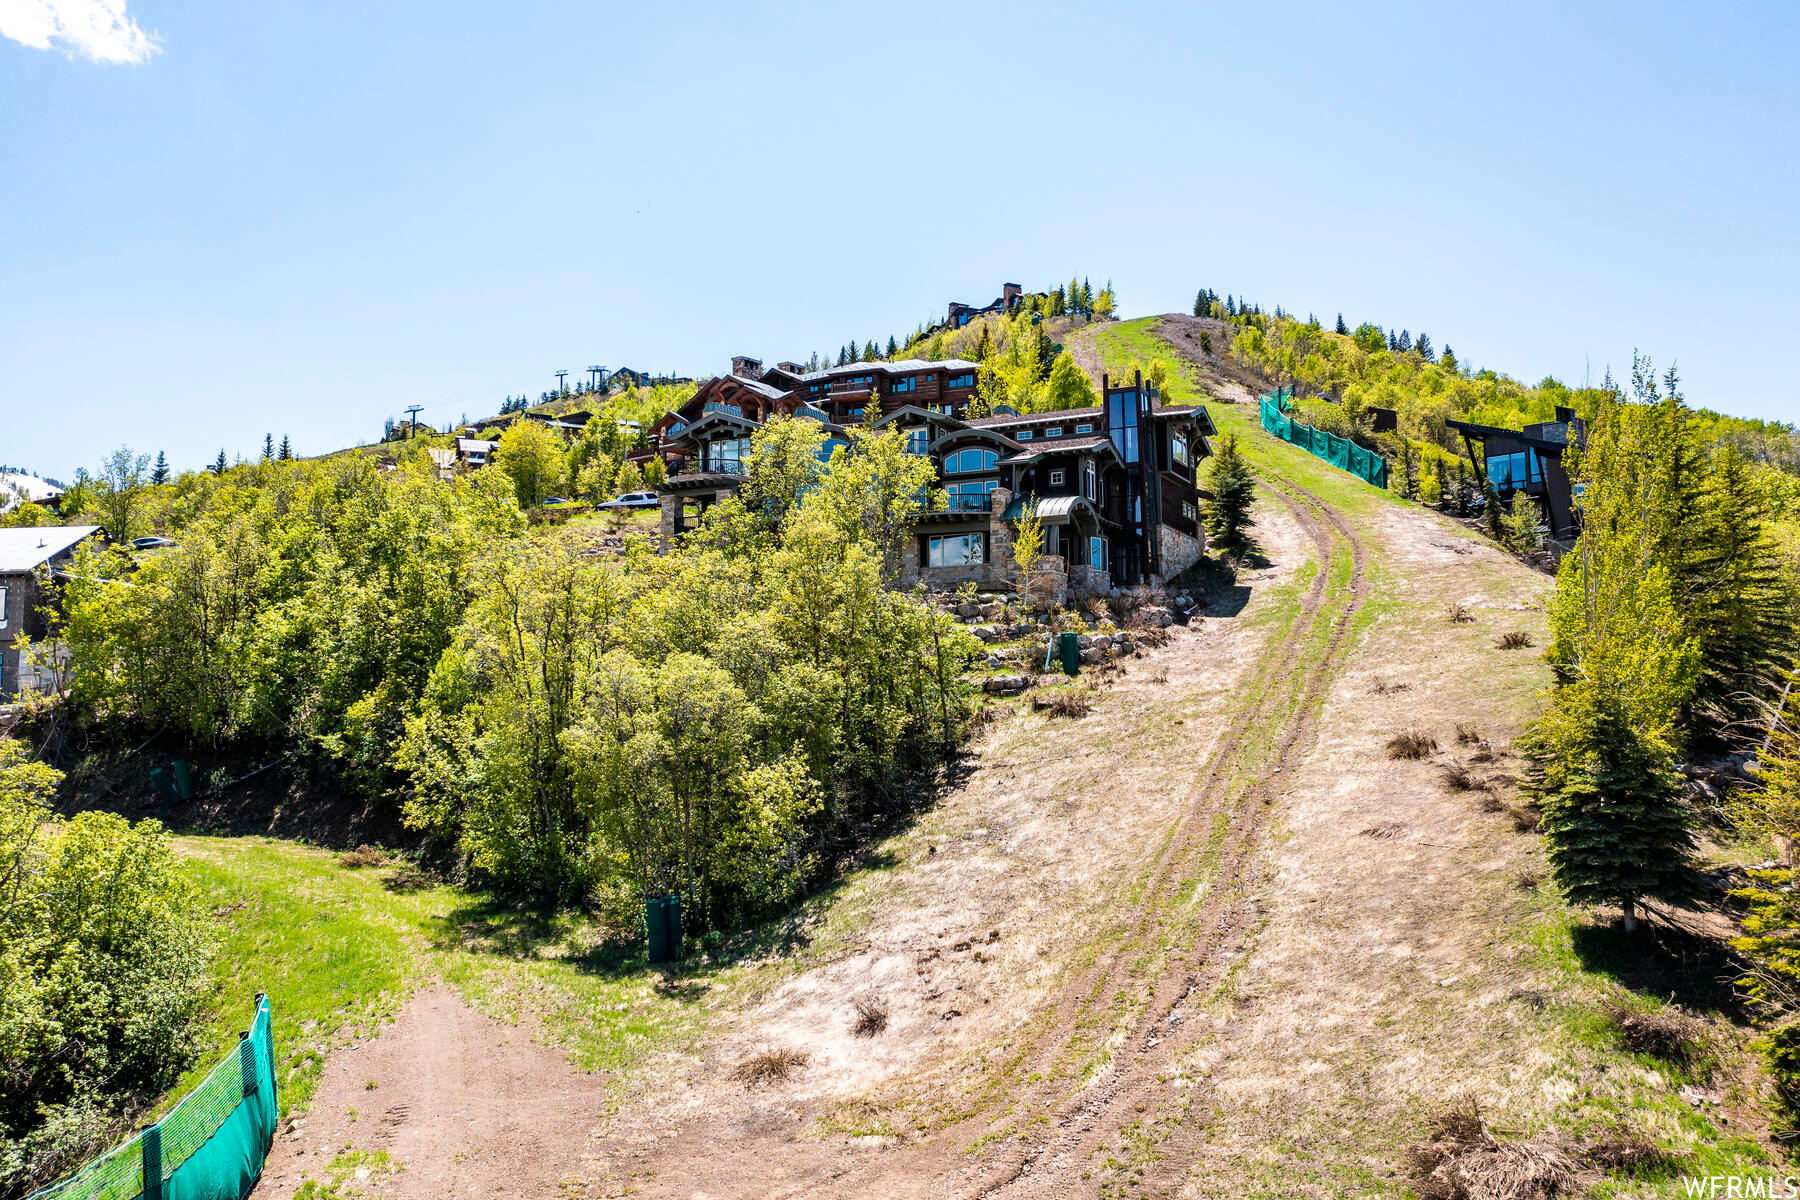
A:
(961, 314)
(473, 452)
(1529, 460)
(24, 554)
(1114, 485)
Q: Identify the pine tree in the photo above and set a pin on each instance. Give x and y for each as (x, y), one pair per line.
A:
(1393, 342)
(1449, 359)
(219, 466)
(1405, 341)
(1200, 303)
(1741, 602)
(1423, 346)
(1616, 830)
(1341, 327)
(869, 354)
(893, 347)
(1409, 468)
(287, 451)
(985, 347)
(160, 472)
(1227, 514)
(1446, 498)
(1231, 308)
(1493, 510)
(268, 453)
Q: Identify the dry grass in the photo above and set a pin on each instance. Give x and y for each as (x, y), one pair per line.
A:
(1671, 1034)
(1460, 614)
(1389, 687)
(1062, 704)
(772, 1065)
(1525, 820)
(1465, 1161)
(1382, 833)
(1518, 639)
(1458, 778)
(1468, 735)
(1152, 637)
(871, 1016)
(1627, 1149)
(363, 856)
(1411, 743)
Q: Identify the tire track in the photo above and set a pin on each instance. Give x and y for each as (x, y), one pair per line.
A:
(1088, 1121)
(1204, 939)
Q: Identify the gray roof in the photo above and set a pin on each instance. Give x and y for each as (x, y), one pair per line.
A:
(899, 366)
(34, 545)
(1051, 510)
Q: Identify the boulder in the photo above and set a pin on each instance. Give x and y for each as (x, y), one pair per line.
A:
(1157, 617)
(987, 633)
(990, 612)
(1005, 685)
(1093, 655)
(968, 610)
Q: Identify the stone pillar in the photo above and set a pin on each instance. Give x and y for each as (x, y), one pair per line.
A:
(670, 504)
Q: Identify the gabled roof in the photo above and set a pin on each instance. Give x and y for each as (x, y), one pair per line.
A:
(1061, 446)
(34, 545)
(1043, 418)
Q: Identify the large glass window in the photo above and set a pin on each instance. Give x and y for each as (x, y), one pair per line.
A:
(1097, 555)
(957, 550)
(965, 380)
(918, 440)
(727, 455)
(969, 462)
(1180, 444)
(1508, 471)
(971, 495)
(1122, 424)
(903, 385)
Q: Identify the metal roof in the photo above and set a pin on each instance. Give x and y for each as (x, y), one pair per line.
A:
(34, 545)
(1059, 445)
(1051, 510)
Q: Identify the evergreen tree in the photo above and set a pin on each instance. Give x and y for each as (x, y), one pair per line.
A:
(1449, 359)
(268, 453)
(1341, 327)
(870, 354)
(893, 347)
(1406, 342)
(219, 466)
(1227, 513)
(1409, 468)
(1200, 303)
(1741, 598)
(1231, 308)
(1393, 342)
(1087, 297)
(1423, 345)
(160, 472)
(985, 347)
(1493, 510)
(1446, 498)
(286, 452)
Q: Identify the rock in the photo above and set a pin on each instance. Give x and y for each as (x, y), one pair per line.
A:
(1022, 629)
(1007, 654)
(987, 633)
(968, 610)
(1156, 617)
(1750, 768)
(1005, 684)
(1125, 643)
(990, 612)
(1092, 655)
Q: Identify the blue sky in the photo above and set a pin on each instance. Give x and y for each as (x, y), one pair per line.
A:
(300, 218)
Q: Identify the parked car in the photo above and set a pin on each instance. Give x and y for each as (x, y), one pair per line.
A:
(151, 543)
(632, 500)
(553, 501)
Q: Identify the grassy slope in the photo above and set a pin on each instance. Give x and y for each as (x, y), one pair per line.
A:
(339, 949)
(1571, 1074)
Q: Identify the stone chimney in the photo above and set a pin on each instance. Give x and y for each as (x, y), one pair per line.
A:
(745, 367)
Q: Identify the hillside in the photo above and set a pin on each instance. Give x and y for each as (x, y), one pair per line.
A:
(1230, 947)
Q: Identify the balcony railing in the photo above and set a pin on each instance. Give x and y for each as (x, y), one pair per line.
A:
(724, 466)
(969, 502)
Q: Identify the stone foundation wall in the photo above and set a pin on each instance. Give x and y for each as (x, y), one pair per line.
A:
(1179, 550)
(1086, 580)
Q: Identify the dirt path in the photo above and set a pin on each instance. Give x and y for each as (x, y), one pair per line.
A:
(463, 1106)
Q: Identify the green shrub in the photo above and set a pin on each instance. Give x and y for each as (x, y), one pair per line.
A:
(101, 958)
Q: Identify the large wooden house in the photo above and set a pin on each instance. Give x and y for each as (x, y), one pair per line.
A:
(1114, 485)
(25, 555)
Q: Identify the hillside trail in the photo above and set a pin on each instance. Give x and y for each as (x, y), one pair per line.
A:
(1151, 951)
(1080, 1057)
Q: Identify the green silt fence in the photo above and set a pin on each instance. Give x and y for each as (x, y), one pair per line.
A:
(1339, 452)
(211, 1146)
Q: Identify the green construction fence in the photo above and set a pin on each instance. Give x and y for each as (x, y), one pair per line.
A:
(211, 1146)
(1342, 453)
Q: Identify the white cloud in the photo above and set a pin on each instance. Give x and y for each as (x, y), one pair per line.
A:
(96, 29)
